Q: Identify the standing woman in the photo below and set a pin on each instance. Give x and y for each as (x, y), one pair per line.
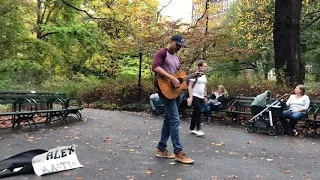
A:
(197, 97)
(298, 105)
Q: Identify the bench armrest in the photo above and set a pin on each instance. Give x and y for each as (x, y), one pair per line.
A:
(315, 115)
(79, 103)
(62, 101)
(30, 101)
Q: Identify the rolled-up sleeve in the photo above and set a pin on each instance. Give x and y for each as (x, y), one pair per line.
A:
(158, 58)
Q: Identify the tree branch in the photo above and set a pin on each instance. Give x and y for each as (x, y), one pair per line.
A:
(309, 14)
(5, 12)
(311, 23)
(204, 13)
(81, 10)
(158, 13)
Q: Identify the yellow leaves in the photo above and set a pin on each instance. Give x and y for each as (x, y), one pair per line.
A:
(233, 153)
(252, 22)
(218, 144)
(149, 171)
(287, 172)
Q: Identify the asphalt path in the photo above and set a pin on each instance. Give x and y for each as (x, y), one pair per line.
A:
(121, 145)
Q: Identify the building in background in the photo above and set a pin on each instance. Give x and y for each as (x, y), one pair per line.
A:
(217, 9)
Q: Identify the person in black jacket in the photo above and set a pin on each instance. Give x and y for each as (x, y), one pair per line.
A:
(218, 100)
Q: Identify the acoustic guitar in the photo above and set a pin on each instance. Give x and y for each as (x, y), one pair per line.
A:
(167, 88)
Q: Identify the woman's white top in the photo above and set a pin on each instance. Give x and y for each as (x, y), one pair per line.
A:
(302, 102)
(199, 87)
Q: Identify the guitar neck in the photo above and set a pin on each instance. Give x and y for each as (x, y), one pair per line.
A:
(189, 77)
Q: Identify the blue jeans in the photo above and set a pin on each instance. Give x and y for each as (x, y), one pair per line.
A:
(293, 119)
(170, 125)
(210, 107)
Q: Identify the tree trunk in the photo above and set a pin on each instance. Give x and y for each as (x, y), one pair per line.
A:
(287, 42)
(39, 19)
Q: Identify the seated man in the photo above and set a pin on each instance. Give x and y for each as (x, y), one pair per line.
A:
(155, 102)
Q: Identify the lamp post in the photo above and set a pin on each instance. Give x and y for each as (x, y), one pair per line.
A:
(140, 64)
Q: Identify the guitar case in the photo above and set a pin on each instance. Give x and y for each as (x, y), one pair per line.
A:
(19, 164)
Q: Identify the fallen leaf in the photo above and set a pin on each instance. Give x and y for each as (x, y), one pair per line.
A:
(260, 176)
(131, 150)
(131, 177)
(233, 153)
(67, 173)
(213, 178)
(101, 169)
(106, 139)
(179, 179)
(149, 172)
(287, 172)
(79, 178)
(306, 176)
(234, 177)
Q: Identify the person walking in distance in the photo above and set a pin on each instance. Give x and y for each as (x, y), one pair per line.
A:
(197, 98)
(165, 61)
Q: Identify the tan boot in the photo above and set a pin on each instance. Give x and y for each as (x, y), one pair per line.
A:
(181, 157)
(164, 154)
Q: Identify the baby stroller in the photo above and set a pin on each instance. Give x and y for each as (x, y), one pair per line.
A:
(266, 115)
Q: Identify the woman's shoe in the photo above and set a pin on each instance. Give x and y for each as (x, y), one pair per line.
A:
(199, 133)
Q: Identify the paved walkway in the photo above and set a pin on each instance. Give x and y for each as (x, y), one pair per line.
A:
(117, 145)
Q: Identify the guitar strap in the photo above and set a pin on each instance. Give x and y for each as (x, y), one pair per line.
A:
(195, 82)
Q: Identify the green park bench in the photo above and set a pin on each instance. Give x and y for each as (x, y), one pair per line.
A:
(240, 108)
(24, 106)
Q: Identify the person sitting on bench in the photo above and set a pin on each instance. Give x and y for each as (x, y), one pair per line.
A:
(298, 104)
(218, 101)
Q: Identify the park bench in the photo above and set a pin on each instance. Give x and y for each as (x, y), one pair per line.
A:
(240, 108)
(24, 106)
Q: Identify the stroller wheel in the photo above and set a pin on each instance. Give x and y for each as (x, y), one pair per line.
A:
(272, 131)
(280, 130)
(251, 128)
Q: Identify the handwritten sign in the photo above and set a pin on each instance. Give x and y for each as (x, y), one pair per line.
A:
(55, 160)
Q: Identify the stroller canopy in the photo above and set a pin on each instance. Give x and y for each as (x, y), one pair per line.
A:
(262, 99)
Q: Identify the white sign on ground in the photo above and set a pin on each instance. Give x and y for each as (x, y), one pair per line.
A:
(55, 160)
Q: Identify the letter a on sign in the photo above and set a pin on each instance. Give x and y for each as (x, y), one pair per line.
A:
(56, 160)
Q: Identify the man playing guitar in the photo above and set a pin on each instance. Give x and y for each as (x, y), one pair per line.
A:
(165, 64)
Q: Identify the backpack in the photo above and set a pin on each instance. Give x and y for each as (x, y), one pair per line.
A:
(19, 164)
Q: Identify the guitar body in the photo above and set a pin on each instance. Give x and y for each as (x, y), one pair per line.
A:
(166, 87)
